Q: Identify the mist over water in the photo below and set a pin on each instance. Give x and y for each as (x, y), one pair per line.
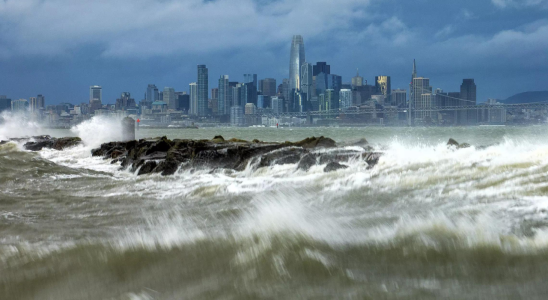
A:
(427, 222)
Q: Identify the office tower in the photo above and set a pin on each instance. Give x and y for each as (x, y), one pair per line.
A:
(268, 87)
(215, 93)
(296, 61)
(327, 81)
(345, 98)
(236, 95)
(277, 105)
(40, 101)
(236, 115)
(169, 97)
(398, 98)
(33, 104)
(225, 95)
(125, 102)
(182, 101)
(321, 67)
(298, 102)
(161, 96)
(306, 81)
(421, 86)
(95, 94)
(261, 101)
(331, 99)
(152, 93)
(37, 103)
(248, 93)
(383, 86)
(251, 78)
(5, 103)
(203, 91)
(425, 103)
(468, 92)
(285, 93)
(21, 105)
(468, 98)
(357, 80)
(193, 92)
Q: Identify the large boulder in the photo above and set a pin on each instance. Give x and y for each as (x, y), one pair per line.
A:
(334, 166)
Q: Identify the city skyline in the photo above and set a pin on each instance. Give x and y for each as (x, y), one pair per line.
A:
(502, 44)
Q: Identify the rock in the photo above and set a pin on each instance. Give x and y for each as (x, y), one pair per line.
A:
(371, 158)
(161, 155)
(334, 166)
(218, 139)
(452, 142)
(148, 167)
(45, 141)
(66, 142)
(307, 162)
(314, 142)
(39, 145)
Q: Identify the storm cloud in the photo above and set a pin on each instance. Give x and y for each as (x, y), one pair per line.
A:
(61, 47)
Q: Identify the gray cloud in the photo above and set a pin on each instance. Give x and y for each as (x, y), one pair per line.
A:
(144, 28)
(520, 3)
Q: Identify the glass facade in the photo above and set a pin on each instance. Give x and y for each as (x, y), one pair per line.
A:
(296, 60)
(203, 91)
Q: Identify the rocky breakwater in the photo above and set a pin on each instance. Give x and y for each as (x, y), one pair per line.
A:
(164, 156)
(37, 143)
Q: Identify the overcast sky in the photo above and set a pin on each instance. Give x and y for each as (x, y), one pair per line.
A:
(60, 47)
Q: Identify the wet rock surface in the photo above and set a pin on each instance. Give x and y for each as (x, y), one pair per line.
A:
(164, 156)
(453, 143)
(37, 143)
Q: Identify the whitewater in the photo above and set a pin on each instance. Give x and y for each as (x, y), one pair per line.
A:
(427, 222)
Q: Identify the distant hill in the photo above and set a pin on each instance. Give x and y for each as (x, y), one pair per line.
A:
(527, 97)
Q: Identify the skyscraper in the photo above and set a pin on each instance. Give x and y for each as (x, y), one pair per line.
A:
(5, 103)
(357, 80)
(468, 92)
(421, 86)
(468, 98)
(169, 97)
(125, 102)
(383, 86)
(398, 98)
(203, 91)
(224, 91)
(296, 60)
(193, 91)
(345, 98)
(268, 87)
(321, 67)
(95, 94)
(251, 78)
(307, 82)
(95, 98)
(152, 93)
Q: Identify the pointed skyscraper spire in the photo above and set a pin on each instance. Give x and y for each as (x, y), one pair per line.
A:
(414, 75)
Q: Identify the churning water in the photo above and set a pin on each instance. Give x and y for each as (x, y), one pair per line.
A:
(427, 222)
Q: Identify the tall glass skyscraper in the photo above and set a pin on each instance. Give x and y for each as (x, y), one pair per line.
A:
(295, 62)
(193, 91)
(224, 91)
(152, 93)
(203, 91)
